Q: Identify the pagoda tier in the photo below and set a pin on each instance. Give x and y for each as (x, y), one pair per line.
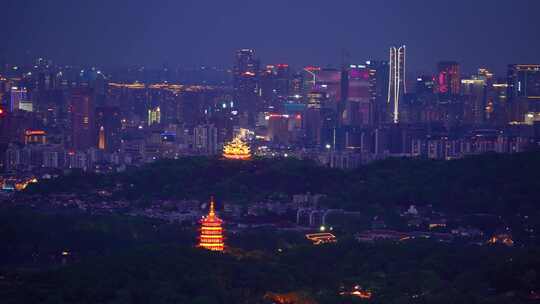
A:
(211, 233)
(237, 149)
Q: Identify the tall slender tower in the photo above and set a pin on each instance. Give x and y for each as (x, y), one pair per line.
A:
(396, 85)
(101, 138)
(211, 237)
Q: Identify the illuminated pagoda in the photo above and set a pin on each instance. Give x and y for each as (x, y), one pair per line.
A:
(211, 237)
(237, 149)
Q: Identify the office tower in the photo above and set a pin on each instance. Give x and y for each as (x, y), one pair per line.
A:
(154, 116)
(246, 84)
(275, 87)
(448, 78)
(18, 95)
(396, 86)
(309, 78)
(328, 80)
(82, 119)
(380, 78)
(425, 84)
(360, 96)
(205, 139)
(283, 79)
(475, 99)
(296, 85)
(523, 90)
(499, 93)
(110, 125)
(278, 128)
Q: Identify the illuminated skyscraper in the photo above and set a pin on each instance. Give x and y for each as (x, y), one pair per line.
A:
(360, 103)
(396, 87)
(448, 78)
(154, 116)
(379, 81)
(246, 84)
(101, 138)
(524, 80)
(474, 91)
(19, 95)
(425, 84)
(82, 119)
(211, 237)
(109, 118)
(523, 90)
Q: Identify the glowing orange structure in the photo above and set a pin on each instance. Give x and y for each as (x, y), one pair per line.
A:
(237, 149)
(211, 236)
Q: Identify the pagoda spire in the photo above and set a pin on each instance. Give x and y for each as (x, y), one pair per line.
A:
(212, 207)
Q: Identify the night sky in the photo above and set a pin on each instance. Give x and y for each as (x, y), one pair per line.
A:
(476, 33)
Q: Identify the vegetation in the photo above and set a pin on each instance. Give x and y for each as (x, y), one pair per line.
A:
(495, 183)
(115, 260)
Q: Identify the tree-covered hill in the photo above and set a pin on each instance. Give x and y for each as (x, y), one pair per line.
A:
(486, 183)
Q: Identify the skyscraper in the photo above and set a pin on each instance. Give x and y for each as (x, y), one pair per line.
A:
(246, 84)
(205, 139)
(108, 118)
(18, 95)
(380, 78)
(524, 80)
(396, 86)
(360, 96)
(523, 90)
(82, 119)
(448, 78)
(101, 138)
(475, 99)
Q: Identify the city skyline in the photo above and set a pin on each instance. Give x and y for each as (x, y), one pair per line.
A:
(153, 34)
(270, 152)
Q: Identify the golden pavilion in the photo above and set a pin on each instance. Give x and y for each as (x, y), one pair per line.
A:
(237, 149)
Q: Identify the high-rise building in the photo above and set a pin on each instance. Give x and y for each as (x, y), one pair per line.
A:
(108, 118)
(205, 139)
(448, 78)
(82, 119)
(275, 87)
(101, 138)
(278, 128)
(154, 116)
(524, 80)
(360, 101)
(380, 78)
(246, 84)
(499, 95)
(396, 86)
(523, 90)
(475, 99)
(425, 84)
(18, 95)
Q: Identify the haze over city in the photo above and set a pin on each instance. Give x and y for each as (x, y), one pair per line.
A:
(192, 33)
